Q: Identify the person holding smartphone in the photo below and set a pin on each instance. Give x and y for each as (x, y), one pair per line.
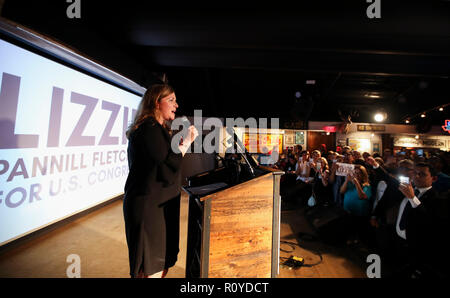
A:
(422, 222)
(357, 202)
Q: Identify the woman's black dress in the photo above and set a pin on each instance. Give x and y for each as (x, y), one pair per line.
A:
(151, 204)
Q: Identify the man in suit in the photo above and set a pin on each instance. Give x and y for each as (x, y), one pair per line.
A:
(384, 215)
(421, 220)
(442, 184)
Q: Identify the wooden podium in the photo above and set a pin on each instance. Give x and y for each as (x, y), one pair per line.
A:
(235, 231)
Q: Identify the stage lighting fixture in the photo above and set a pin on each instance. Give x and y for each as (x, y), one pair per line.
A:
(380, 117)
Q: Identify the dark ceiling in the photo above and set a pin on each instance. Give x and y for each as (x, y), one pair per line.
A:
(245, 60)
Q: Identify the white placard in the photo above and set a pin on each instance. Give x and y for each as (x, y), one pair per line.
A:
(344, 169)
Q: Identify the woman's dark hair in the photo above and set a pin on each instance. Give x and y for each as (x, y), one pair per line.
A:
(147, 106)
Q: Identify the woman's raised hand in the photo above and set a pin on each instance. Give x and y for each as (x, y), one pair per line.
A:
(190, 138)
(192, 134)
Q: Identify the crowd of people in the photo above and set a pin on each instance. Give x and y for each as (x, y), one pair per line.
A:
(396, 205)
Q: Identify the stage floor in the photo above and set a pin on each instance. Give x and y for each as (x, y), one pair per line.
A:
(99, 239)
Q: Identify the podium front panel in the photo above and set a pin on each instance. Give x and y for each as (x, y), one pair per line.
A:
(237, 230)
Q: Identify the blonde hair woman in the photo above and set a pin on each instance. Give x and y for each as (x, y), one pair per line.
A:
(151, 203)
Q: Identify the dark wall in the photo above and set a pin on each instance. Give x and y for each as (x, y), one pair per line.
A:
(52, 21)
(317, 138)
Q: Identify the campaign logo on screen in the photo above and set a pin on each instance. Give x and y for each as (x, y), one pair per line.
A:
(63, 146)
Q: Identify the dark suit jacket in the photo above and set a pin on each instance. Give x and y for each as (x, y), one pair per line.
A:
(426, 226)
(427, 232)
(153, 183)
(387, 207)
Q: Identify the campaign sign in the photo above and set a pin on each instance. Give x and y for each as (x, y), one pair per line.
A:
(63, 147)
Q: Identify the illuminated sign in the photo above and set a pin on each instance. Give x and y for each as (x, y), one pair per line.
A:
(371, 127)
(329, 128)
(263, 143)
(446, 127)
(413, 142)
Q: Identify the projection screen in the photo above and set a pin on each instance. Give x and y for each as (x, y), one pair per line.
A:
(62, 140)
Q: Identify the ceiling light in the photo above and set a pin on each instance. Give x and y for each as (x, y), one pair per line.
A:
(379, 117)
(407, 121)
(423, 115)
(441, 109)
(372, 95)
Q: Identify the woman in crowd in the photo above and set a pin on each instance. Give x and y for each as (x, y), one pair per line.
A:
(357, 202)
(322, 188)
(336, 181)
(301, 189)
(303, 168)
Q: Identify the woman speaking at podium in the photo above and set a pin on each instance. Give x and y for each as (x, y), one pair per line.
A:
(152, 191)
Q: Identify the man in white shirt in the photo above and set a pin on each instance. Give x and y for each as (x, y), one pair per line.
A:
(385, 212)
(421, 221)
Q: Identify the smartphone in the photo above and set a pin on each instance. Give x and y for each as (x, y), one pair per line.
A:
(403, 179)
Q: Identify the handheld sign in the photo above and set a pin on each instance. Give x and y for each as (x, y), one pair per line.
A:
(344, 169)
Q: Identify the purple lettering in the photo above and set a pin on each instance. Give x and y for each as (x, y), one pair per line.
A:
(9, 97)
(125, 125)
(54, 126)
(82, 164)
(54, 163)
(34, 193)
(122, 155)
(77, 139)
(67, 162)
(37, 164)
(16, 172)
(73, 166)
(5, 165)
(73, 183)
(106, 139)
(52, 191)
(8, 200)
